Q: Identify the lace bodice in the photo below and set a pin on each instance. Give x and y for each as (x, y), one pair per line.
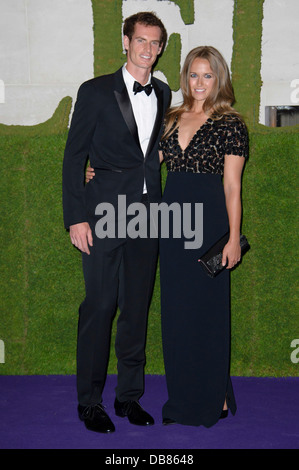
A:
(207, 148)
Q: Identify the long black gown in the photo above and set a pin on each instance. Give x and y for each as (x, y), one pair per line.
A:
(195, 309)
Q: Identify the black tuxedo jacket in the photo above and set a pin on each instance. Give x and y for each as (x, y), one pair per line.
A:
(104, 130)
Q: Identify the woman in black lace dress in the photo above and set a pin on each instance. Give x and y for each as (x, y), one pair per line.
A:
(204, 147)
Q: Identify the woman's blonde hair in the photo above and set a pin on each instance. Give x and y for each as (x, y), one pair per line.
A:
(221, 98)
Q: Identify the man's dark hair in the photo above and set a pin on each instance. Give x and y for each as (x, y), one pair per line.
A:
(148, 19)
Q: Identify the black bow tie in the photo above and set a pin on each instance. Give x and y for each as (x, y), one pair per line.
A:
(138, 87)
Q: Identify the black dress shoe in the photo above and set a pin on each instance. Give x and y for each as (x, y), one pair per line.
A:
(167, 421)
(95, 418)
(134, 411)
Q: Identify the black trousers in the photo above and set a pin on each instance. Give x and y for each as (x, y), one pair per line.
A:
(122, 275)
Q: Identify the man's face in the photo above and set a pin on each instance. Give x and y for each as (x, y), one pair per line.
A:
(144, 47)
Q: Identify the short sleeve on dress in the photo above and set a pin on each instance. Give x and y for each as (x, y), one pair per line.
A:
(236, 140)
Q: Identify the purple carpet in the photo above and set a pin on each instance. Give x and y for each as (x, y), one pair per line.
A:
(40, 412)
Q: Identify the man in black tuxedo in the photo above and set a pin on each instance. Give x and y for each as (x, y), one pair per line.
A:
(117, 124)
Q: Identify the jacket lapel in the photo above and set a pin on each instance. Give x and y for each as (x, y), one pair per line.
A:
(159, 117)
(124, 103)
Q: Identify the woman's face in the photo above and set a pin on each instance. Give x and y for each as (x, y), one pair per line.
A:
(201, 79)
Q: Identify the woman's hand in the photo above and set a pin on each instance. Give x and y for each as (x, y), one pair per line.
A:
(231, 254)
(89, 174)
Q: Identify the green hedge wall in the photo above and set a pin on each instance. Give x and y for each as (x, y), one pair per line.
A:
(40, 271)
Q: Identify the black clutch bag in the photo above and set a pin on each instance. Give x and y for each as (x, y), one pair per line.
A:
(211, 261)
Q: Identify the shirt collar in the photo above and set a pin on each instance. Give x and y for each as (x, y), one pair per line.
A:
(129, 79)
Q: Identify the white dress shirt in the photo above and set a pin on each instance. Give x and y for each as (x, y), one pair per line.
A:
(144, 109)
